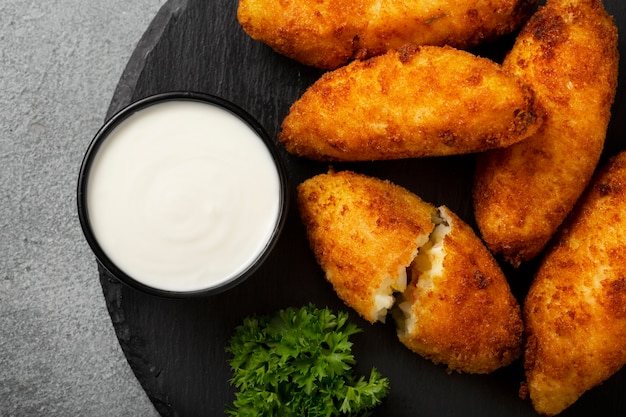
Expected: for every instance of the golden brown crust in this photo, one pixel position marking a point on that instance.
(568, 54)
(364, 232)
(327, 34)
(426, 101)
(467, 317)
(315, 33)
(575, 310)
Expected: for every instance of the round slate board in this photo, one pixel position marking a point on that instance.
(176, 347)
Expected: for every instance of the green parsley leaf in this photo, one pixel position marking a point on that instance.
(298, 363)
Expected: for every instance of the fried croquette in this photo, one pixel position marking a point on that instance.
(426, 101)
(364, 233)
(575, 311)
(458, 308)
(327, 34)
(568, 54)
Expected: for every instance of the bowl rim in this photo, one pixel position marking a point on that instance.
(122, 115)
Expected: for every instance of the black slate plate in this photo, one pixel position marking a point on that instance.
(176, 347)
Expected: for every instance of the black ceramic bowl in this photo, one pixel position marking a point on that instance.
(121, 119)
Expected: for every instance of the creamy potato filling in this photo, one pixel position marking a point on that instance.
(425, 269)
(384, 298)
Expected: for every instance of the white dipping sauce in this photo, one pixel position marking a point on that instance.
(183, 196)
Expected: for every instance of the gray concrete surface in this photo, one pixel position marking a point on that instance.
(60, 61)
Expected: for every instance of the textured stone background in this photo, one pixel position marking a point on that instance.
(60, 61)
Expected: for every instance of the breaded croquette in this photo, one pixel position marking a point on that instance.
(364, 233)
(426, 101)
(458, 308)
(328, 33)
(575, 311)
(568, 54)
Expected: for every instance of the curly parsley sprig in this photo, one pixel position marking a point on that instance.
(298, 363)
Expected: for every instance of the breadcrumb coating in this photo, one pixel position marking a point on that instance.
(568, 54)
(364, 233)
(328, 33)
(417, 102)
(458, 308)
(575, 311)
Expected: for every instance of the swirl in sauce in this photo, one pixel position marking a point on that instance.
(183, 195)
